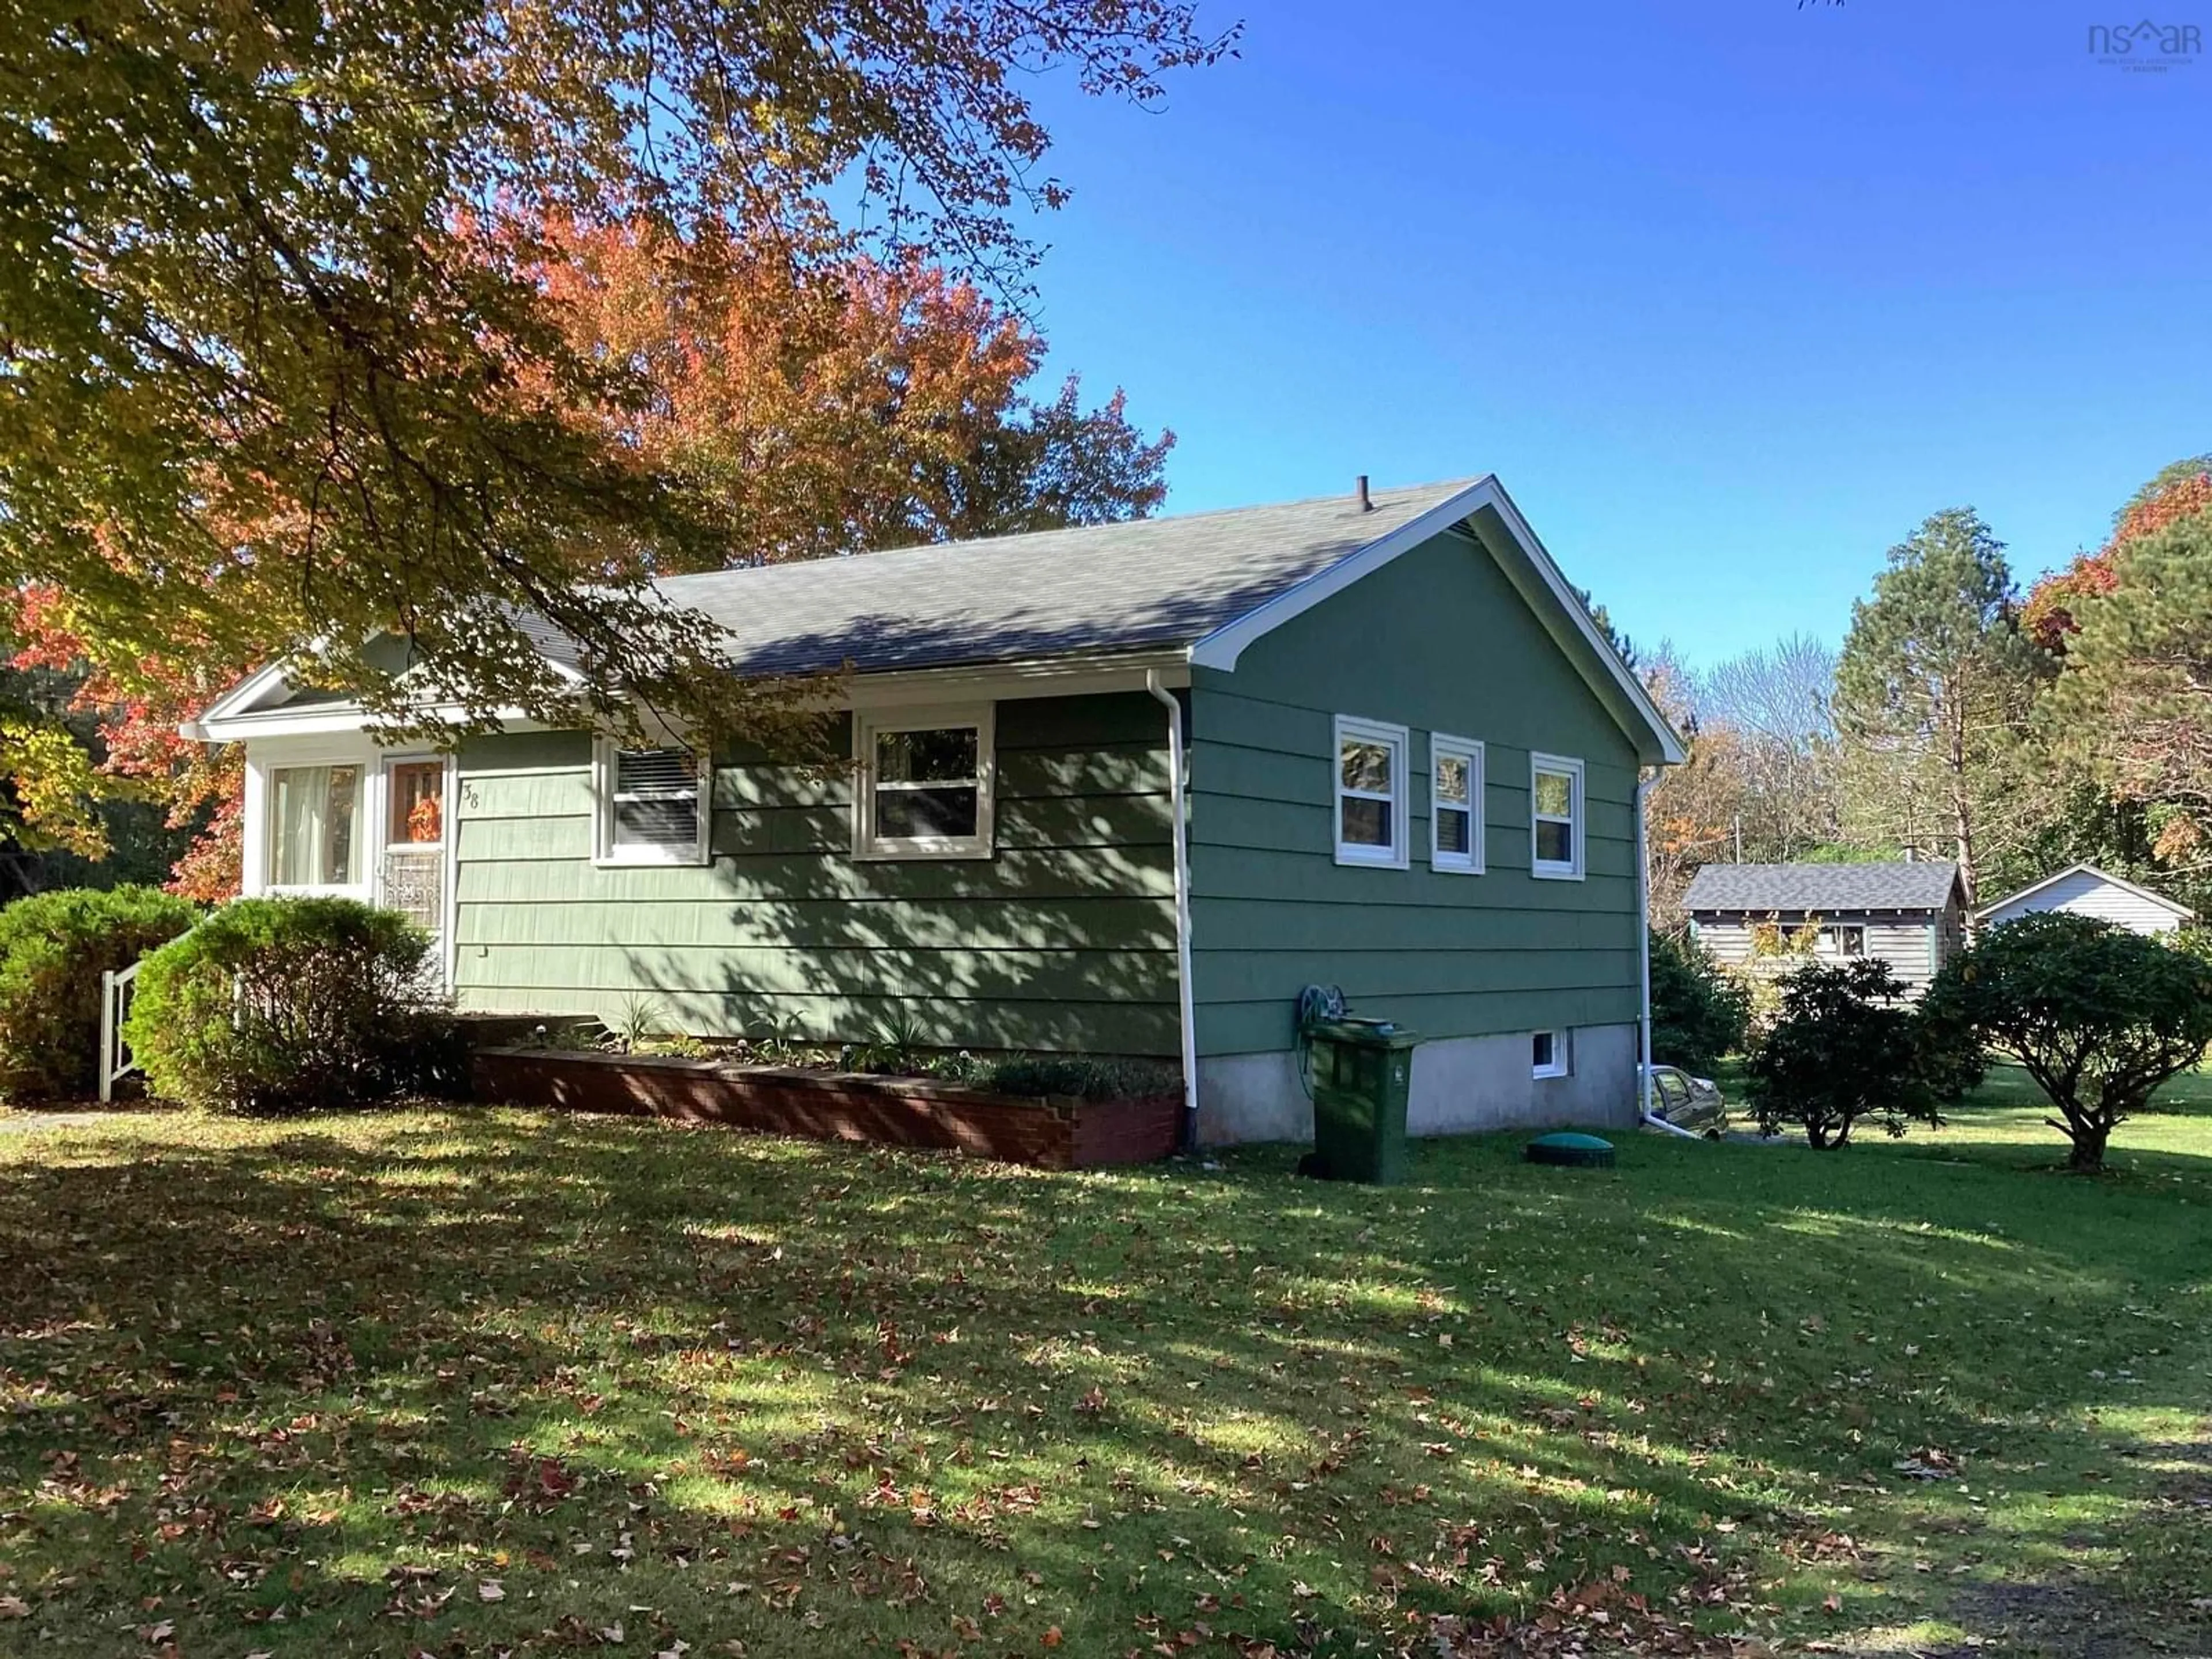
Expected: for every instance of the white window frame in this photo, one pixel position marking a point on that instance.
(1562, 1062)
(1571, 868)
(605, 852)
(260, 809)
(867, 726)
(1832, 935)
(1352, 728)
(1444, 745)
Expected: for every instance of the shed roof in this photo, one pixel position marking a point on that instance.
(1829, 888)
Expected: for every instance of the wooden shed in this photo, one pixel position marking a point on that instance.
(1911, 915)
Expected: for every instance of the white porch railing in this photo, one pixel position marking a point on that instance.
(116, 990)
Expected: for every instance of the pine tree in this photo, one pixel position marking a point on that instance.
(2131, 706)
(1933, 691)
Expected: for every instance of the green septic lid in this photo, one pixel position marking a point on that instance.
(1567, 1147)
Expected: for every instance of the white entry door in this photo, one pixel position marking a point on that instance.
(412, 865)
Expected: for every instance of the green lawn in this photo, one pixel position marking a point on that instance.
(462, 1383)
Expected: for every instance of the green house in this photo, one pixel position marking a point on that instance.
(1410, 771)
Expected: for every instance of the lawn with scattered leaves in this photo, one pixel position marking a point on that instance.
(469, 1382)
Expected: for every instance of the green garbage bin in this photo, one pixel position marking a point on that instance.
(1362, 1074)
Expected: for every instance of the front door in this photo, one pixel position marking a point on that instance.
(411, 872)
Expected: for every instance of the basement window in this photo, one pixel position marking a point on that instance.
(653, 806)
(1550, 1055)
(922, 787)
(1370, 793)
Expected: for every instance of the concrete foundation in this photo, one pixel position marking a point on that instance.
(1461, 1086)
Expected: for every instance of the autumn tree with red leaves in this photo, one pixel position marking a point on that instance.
(2132, 706)
(840, 407)
(278, 374)
(817, 410)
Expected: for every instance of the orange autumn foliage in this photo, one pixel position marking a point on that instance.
(818, 407)
(2049, 616)
(140, 705)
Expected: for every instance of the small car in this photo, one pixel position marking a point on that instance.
(1688, 1103)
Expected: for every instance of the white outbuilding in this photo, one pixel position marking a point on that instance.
(2082, 890)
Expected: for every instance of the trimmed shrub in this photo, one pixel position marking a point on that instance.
(53, 949)
(1844, 1048)
(2100, 1018)
(1699, 1013)
(277, 1006)
(1077, 1075)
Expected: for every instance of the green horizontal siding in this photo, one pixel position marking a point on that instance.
(1115, 1028)
(1063, 940)
(1436, 640)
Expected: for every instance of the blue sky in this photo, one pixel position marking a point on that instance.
(1730, 294)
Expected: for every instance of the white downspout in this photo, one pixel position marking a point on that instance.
(1181, 837)
(1651, 1120)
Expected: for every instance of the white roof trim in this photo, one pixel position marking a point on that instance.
(238, 700)
(1053, 676)
(2029, 891)
(1221, 648)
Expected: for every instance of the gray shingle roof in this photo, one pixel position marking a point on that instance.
(1150, 582)
(1830, 889)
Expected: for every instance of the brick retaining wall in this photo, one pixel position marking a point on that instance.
(1055, 1132)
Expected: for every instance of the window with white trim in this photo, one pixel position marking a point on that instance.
(922, 784)
(1454, 804)
(314, 839)
(654, 806)
(1555, 817)
(1370, 793)
(1843, 939)
(1550, 1055)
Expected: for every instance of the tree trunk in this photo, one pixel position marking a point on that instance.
(1962, 811)
(2087, 1157)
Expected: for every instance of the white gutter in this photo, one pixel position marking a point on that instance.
(1181, 838)
(1651, 1120)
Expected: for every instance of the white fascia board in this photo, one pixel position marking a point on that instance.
(1221, 648)
(326, 720)
(239, 699)
(1670, 745)
(985, 683)
(1008, 682)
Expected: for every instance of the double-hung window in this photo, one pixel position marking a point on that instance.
(1555, 817)
(1454, 804)
(314, 839)
(1370, 793)
(653, 805)
(922, 786)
